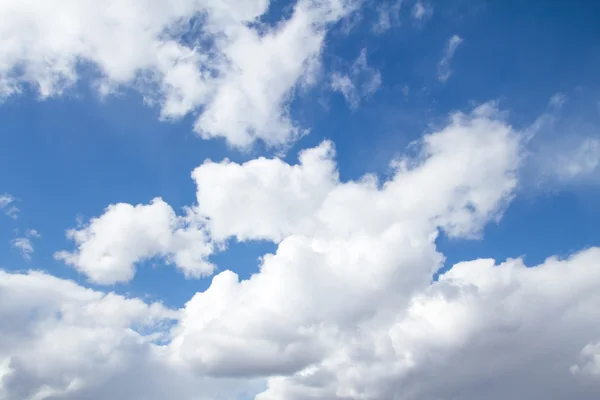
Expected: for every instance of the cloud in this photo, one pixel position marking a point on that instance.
(589, 361)
(584, 159)
(368, 79)
(109, 246)
(32, 233)
(266, 199)
(444, 71)
(345, 308)
(7, 205)
(557, 100)
(338, 241)
(24, 244)
(62, 341)
(212, 57)
(422, 11)
(569, 160)
(59, 340)
(491, 320)
(388, 13)
(563, 150)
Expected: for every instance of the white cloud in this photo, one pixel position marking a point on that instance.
(589, 360)
(59, 340)
(24, 246)
(444, 71)
(581, 160)
(492, 321)
(338, 241)
(267, 199)
(109, 247)
(345, 307)
(237, 72)
(562, 149)
(367, 78)
(7, 205)
(388, 13)
(422, 11)
(32, 233)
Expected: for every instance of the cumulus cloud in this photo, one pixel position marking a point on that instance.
(7, 205)
(345, 308)
(59, 340)
(444, 71)
(367, 78)
(267, 199)
(514, 330)
(216, 57)
(338, 241)
(482, 331)
(109, 246)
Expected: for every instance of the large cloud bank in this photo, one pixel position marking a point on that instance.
(345, 308)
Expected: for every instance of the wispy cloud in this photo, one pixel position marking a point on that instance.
(25, 246)
(24, 243)
(362, 81)
(7, 205)
(562, 149)
(388, 13)
(422, 11)
(444, 71)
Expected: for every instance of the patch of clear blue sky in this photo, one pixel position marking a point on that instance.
(75, 155)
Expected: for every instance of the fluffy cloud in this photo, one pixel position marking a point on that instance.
(453, 182)
(348, 251)
(213, 56)
(367, 78)
(345, 308)
(444, 71)
(498, 332)
(513, 331)
(108, 247)
(59, 340)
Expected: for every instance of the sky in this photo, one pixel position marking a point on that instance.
(304, 199)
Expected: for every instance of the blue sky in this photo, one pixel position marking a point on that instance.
(68, 155)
